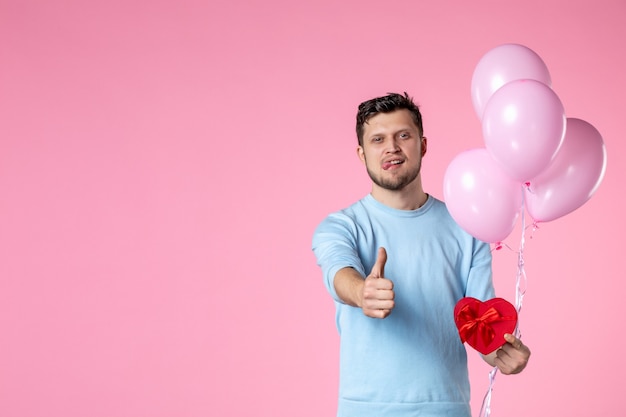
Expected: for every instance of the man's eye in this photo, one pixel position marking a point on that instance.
(404, 135)
(377, 139)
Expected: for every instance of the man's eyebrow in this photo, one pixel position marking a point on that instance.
(395, 131)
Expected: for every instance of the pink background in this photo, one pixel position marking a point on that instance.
(163, 165)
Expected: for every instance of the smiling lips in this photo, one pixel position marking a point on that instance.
(392, 163)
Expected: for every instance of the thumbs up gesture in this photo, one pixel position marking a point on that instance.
(378, 292)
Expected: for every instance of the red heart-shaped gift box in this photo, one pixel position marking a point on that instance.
(483, 324)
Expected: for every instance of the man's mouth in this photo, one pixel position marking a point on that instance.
(392, 164)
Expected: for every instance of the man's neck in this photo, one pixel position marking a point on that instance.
(410, 197)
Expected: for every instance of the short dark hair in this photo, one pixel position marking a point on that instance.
(386, 104)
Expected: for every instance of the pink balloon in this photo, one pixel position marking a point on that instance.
(500, 66)
(572, 178)
(523, 127)
(480, 197)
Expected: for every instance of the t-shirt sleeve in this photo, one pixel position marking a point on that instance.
(334, 246)
(480, 279)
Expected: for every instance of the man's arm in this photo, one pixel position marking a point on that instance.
(511, 358)
(374, 294)
(349, 286)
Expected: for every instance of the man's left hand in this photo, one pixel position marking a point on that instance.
(512, 357)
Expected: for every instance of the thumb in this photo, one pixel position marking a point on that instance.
(378, 270)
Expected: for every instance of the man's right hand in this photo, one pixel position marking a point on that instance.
(378, 295)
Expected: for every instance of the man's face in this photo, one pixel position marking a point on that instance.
(392, 149)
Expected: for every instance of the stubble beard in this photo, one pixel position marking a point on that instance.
(395, 183)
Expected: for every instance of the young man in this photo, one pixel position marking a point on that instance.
(396, 264)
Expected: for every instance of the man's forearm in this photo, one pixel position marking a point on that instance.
(349, 286)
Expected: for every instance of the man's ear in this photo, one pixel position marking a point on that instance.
(424, 145)
(360, 154)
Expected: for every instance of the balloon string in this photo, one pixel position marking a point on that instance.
(485, 408)
(521, 281)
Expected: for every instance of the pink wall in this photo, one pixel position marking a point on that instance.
(163, 165)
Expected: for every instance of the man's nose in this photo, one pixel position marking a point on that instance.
(392, 146)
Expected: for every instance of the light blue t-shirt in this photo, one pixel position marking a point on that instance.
(411, 363)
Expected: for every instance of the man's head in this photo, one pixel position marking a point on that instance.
(391, 143)
(386, 104)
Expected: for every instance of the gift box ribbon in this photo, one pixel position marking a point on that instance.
(479, 326)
